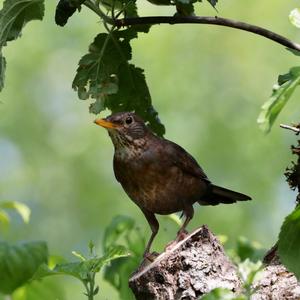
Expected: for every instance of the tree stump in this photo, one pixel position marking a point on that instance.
(191, 268)
(276, 282)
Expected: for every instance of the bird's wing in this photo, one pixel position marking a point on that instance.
(119, 169)
(183, 160)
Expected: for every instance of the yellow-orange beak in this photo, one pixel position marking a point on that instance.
(105, 124)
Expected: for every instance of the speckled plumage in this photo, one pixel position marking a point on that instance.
(157, 174)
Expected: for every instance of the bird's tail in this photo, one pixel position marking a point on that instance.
(221, 195)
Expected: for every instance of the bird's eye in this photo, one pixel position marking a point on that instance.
(128, 120)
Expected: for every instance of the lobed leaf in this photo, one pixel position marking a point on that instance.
(213, 3)
(287, 84)
(13, 17)
(133, 95)
(104, 74)
(81, 270)
(18, 263)
(65, 9)
(289, 242)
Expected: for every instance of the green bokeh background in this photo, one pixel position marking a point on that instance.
(208, 84)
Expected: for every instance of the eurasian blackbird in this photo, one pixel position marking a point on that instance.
(159, 175)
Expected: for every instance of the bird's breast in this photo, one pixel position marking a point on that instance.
(153, 184)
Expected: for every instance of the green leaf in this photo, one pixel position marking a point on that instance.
(249, 271)
(219, 294)
(289, 242)
(48, 289)
(133, 95)
(65, 9)
(118, 226)
(104, 74)
(213, 3)
(18, 263)
(295, 52)
(4, 218)
(82, 269)
(2, 71)
(13, 17)
(295, 17)
(185, 7)
(98, 69)
(22, 209)
(122, 230)
(79, 255)
(112, 253)
(281, 94)
(248, 249)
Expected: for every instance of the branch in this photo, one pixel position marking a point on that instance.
(293, 128)
(211, 21)
(276, 282)
(190, 269)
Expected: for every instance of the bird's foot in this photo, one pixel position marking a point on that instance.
(180, 236)
(150, 257)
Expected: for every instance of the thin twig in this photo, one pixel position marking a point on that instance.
(99, 12)
(293, 128)
(208, 20)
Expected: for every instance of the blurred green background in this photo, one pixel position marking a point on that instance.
(207, 83)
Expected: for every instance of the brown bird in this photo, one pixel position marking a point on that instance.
(157, 174)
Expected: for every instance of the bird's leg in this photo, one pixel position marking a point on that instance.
(189, 213)
(182, 233)
(154, 225)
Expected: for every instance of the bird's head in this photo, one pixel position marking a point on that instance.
(124, 128)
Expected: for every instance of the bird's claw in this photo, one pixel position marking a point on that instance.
(180, 236)
(150, 256)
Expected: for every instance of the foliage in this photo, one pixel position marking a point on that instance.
(18, 263)
(65, 9)
(13, 17)
(289, 242)
(47, 289)
(122, 230)
(107, 76)
(246, 249)
(295, 17)
(222, 294)
(282, 91)
(249, 272)
(22, 209)
(86, 269)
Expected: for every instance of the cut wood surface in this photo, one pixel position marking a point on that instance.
(191, 268)
(198, 264)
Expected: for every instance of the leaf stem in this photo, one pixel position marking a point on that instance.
(89, 286)
(152, 20)
(99, 12)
